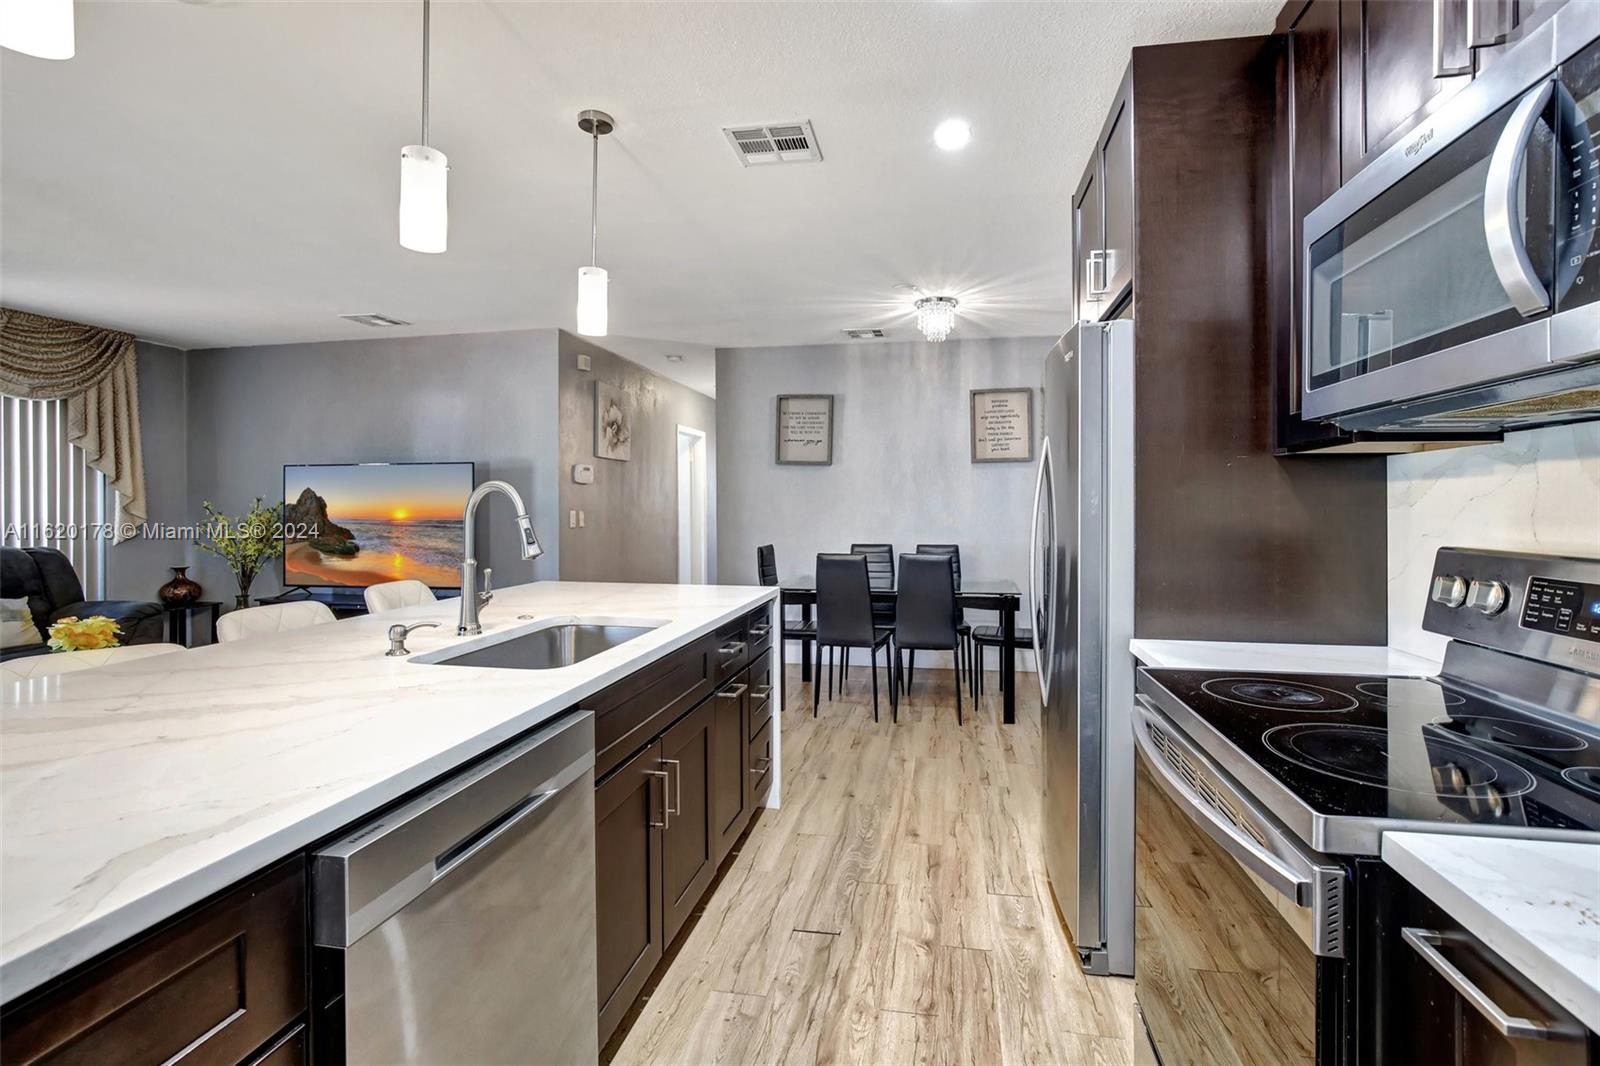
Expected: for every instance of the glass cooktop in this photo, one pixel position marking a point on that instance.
(1402, 748)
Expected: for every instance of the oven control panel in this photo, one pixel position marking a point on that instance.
(1565, 607)
(1544, 607)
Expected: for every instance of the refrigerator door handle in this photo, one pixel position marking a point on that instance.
(1041, 663)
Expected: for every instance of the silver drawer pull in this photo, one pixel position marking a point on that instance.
(762, 769)
(758, 631)
(761, 693)
(733, 692)
(1425, 943)
(676, 807)
(666, 808)
(733, 647)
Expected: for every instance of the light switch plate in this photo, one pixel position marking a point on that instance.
(583, 473)
(572, 519)
(582, 520)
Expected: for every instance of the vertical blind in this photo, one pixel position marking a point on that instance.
(51, 497)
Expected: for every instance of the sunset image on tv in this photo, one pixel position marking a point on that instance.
(371, 524)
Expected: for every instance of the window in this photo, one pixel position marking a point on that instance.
(49, 496)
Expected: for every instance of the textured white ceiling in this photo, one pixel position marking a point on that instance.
(226, 173)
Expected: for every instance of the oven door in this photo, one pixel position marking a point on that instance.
(1239, 933)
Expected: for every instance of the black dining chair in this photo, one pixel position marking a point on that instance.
(994, 637)
(925, 613)
(880, 572)
(793, 628)
(963, 627)
(844, 621)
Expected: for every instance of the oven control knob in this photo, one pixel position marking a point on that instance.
(1449, 590)
(1487, 596)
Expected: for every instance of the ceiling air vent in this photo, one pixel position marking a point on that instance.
(862, 334)
(374, 320)
(782, 142)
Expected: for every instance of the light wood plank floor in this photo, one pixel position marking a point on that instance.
(894, 910)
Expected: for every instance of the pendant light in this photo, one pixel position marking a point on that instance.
(936, 317)
(592, 279)
(424, 177)
(39, 28)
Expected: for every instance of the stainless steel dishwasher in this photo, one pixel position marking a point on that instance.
(460, 926)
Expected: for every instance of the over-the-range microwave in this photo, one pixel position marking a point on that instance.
(1455, 282)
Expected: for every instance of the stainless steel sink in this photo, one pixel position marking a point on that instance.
(548, 645)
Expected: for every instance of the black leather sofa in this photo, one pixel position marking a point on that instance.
(47, 578)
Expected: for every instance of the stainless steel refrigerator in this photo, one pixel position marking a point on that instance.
(1081, 601)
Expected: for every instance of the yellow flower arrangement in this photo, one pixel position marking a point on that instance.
(84, 634)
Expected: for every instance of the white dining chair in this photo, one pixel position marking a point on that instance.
(66, 662)
(272, 618)
(393, 595)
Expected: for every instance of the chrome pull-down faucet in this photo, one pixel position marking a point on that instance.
(471, 598)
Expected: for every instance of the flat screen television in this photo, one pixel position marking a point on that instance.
(350, 525)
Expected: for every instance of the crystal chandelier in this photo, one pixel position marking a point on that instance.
(936, 317)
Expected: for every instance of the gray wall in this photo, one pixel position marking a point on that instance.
(631, 509)
(136, 568)
(902, 469)
(485, 397)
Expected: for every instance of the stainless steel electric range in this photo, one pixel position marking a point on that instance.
(1267, 928)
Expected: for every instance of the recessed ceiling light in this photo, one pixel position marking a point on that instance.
(953, 134)
(674, 357)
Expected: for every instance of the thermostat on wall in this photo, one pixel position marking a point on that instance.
(582, 473)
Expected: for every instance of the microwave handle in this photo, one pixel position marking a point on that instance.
(1501, 222)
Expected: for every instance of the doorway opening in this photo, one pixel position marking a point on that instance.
(694, 520)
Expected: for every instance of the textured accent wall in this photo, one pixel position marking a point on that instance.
(484, 397)
(1539, 491)
(630, 530)
(902, 469)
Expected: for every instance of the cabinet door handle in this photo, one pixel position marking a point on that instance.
(1440, 68)
(733, 647)
(1096, 259)
(733, 692)
(1425, 943)
(676, 807)
(666, 809)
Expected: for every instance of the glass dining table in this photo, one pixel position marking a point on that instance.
(995, 595)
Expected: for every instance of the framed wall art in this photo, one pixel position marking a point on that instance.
(805, 430)
(1002, 425)
(613, 423)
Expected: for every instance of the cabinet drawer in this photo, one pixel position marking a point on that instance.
(732, 651)
(759, 678)
(212, 987)
(634, 711)
(760, 766)
(758, 630)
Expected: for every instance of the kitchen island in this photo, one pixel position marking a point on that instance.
(130, 793)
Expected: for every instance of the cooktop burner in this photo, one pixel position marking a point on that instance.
(1277, 693)
(1407, 748)
(1360, 754)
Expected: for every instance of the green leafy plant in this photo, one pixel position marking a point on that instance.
(244, 543)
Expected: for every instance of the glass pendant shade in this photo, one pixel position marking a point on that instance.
(936, 317)
(40, 28)
(592, 285)
(424, 200)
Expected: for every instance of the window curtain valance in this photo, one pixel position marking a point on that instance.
(97, 372)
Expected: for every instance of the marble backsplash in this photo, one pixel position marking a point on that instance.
(1537, 491)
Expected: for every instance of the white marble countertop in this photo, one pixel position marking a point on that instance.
(1281, 658)
(1535, 903)
(132, 791)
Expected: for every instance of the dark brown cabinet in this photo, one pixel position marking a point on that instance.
(1392, 72)
(668, 814)
(1102, 217)
(630, 814)
(688, 840)
(730, 802)
(218, 985)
